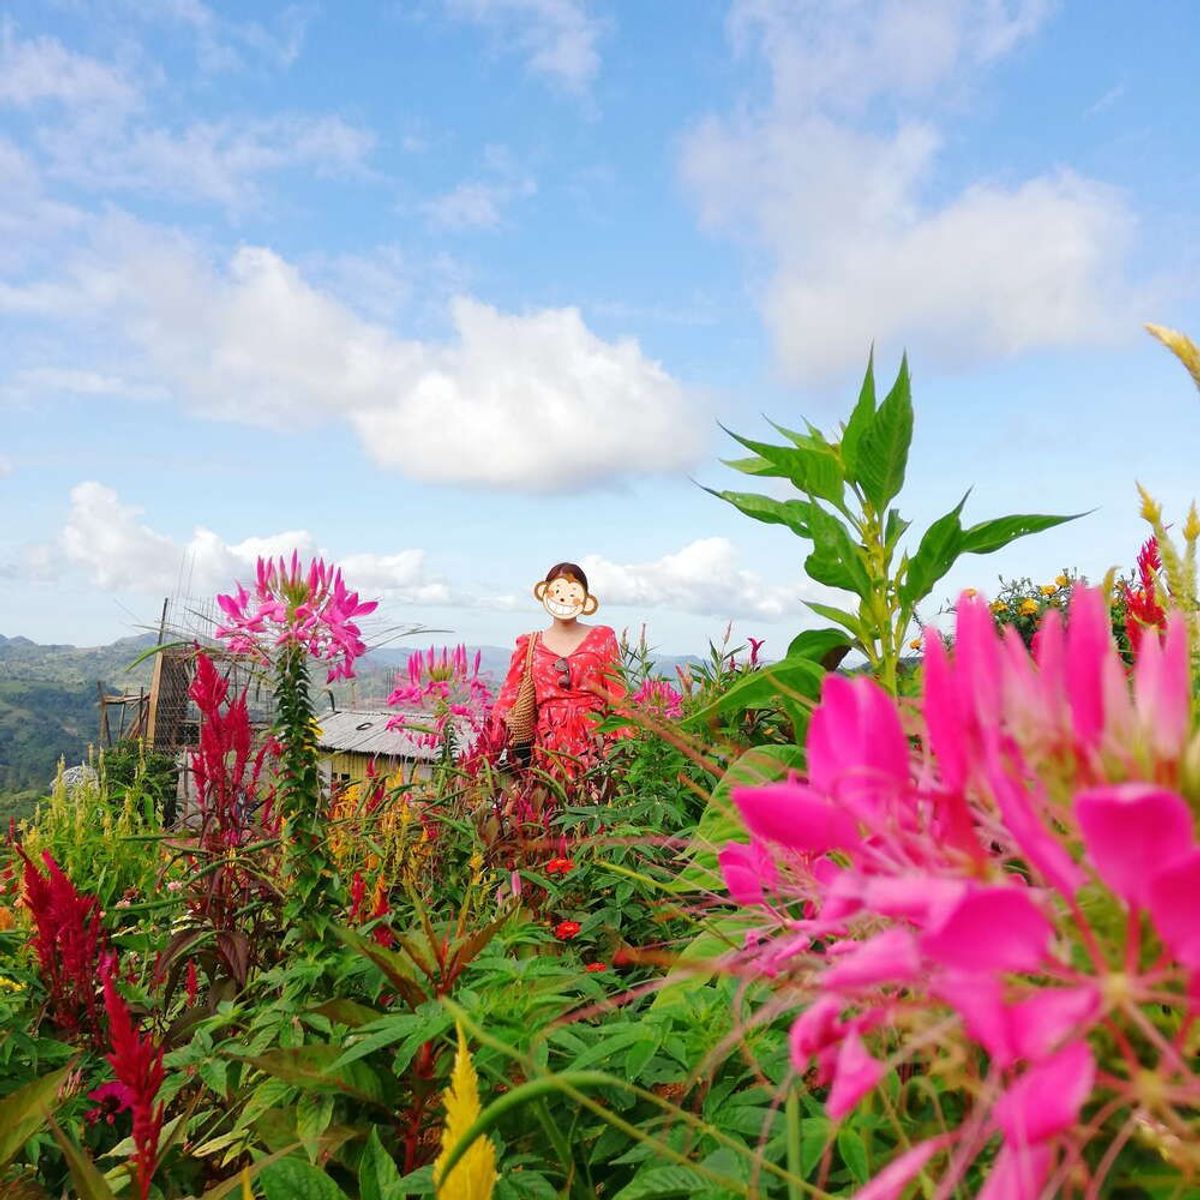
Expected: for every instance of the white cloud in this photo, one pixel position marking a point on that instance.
(532, 401)
(861, 248)
(107, 539)
(480, 203)
(38, 70)
(703, 577)
(558, 38)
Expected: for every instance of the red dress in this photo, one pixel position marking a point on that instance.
(566, 740)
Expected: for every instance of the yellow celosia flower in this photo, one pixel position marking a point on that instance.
(10, 985)
(1028, 608)
(1181, 346)
(474, 1175)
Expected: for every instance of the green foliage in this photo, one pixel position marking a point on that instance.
(848, 483)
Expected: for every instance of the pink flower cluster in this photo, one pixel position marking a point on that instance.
(1010, 883)
(296, 606)
(658, 697)
(443, 689)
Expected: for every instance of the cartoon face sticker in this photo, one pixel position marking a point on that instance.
(565, 598)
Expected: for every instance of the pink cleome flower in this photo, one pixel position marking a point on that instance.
(443, 689)
(296, 606)
(658, 697)
(929, 904)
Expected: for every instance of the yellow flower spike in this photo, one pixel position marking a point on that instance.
(1151, 509)
(474, 1175)
(1181, 346)
(1191, 530)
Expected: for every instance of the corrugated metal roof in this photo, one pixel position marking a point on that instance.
(365, 731)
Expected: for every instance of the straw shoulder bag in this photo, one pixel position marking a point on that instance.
(521, 718)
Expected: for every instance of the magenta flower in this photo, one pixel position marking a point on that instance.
(296, 606)
(659, 698)
(1002, 889)
(444, 691)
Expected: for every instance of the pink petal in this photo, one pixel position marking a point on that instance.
(816, 1028)
(917, 898)
(891, 1181)
(888, 957)
(747, 869)
(946, 725)
(979, 1002)
(1045, 1020)
(977, 661)
(990, 929)
(1162, 688)
(1088, 646)
(856, 1073)
(855, 732)
(1174, 902)
(1131, 831)
(796, 816)
(1047, 1098)
(1019, 1173)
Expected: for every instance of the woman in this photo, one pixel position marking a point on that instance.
(574, 668)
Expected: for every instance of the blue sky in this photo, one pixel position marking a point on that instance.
(453, 289)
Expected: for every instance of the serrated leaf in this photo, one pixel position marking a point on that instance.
(660, 1182)
(793, 514)
(883, 452)
(811, 468)
(314, 1111)
(989, 536)
(24, 1112)
(939, 549)
(378, 1176)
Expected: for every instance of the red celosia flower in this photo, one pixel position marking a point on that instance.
(756, 644)
(1142, 609)
(68, 941)
(559, 866)
(596, 968)
(381, 933)
(137, 1063)
(297, 607)
(358, 893)
(566, 930)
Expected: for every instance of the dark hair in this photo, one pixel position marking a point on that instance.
(567, 570)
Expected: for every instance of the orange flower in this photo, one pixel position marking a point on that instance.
(596, 968)
(566, 930)
(1028, 608)
(999, 606)
(559, 866)
(7, 919)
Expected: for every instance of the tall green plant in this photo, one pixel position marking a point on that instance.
(847, 485)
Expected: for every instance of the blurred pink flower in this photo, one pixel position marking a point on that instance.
(924, 882)
(293, 605)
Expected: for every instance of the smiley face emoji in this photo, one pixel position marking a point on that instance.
(565, 598)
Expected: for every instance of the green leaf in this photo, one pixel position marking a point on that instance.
(794, 514)
(314, 1068)
(854, 1153)
(989, 536)
(836, 560)
(939, 548)
(839, 616)
(894, 528)
(314, 1111)
(294, 1179)
(378, 1177)
(812, 468)
(860, 420)
(659, 1182)
(882, 454)
(760, 689)
(347, 1012)
(24, 1112)
(817, 643)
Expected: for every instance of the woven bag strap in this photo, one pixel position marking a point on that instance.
(533, 641)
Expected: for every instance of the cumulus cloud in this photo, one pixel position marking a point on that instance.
(532, 401)
(864, 240)
(558, 38)
(704, 577)
(108, 540)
